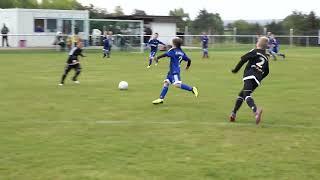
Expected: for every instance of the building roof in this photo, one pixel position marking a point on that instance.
(151, 18)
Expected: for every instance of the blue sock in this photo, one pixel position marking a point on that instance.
(186, 87)
(150, 62)
(164, 92)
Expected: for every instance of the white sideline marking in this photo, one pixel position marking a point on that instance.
(120, 122)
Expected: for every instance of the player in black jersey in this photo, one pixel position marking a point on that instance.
(256, 70)
(73, 63)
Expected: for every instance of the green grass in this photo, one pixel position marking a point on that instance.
(94, 131)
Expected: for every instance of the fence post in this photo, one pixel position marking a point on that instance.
(307, 41)
(291, 37)
(319, 36)
(141, 36)
(235, 35)
(265, 31)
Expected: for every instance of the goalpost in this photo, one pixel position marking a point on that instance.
(127, 34)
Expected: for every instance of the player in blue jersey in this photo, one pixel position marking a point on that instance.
(106, 46)
(274, 47)
(176, 56)
(205, 42)
(154, 43)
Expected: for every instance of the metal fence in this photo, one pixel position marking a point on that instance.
(135, 42)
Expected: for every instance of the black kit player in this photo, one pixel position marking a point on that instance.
(256, 70)
(73, 63)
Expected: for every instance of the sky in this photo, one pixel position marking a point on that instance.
(228, 9)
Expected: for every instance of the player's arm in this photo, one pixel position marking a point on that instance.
(161, 43)
(266, 72)
(243, 60)
(80, 53)
(186, 58)
(161, 56)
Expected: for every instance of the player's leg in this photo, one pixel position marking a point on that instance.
(104, 53)
(178, 84)
(237, 106)
(109, 50)
(272, 53)
(278, 53)
(66, 71)
(206, 53)
(249, 86)
(77, 68)
(151, 57)
(164, 92)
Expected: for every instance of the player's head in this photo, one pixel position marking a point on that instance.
(79, 44)
(155, 35)
(106, 33)
(110, 33)
(262, 43)
(269, 34)
(204, 33)
(177, 42)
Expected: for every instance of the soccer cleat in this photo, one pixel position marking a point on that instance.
(61, 84)
(148, 67)
(76, 82)
(158, 101)
(258, 115)
(232, 117)
(195, 91)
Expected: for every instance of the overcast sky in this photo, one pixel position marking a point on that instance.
(228, 9)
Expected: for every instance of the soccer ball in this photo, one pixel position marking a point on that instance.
(123, 85)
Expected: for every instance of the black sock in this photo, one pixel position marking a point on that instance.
(237, 105)
(76, 76)
(63, 78)
(251, 103)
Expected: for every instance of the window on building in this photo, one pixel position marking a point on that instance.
(67, 27)
(51, 25)
(79, 26)
(39, 25)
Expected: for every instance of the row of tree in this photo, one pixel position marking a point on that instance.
(303, 24)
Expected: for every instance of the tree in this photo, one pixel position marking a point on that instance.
(209, 22)
(26, 3)
(139, 12)
(118, 11)
(7, 4)
(184, 18)
(313, 23)
(60, 4)
(276, 28)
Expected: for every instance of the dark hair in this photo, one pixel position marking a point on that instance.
(156, 33)
(177, 42)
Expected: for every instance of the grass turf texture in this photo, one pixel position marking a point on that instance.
(95, 131)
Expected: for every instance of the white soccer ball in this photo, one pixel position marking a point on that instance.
(123, 85)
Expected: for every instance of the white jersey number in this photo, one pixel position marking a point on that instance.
(261, 63)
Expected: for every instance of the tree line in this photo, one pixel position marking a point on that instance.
(212, 23)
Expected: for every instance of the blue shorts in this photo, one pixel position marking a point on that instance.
(275, 49)
(153, 54)
(173, 79)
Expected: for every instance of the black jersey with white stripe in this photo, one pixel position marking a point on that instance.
(73, 55)
(257, 64)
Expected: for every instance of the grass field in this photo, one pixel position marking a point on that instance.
(94, 131)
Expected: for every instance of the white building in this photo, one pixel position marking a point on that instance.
(38, 27)
(166, 26)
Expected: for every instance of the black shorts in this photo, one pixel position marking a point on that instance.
(250, 85)
(76, 67)
(253, 74)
